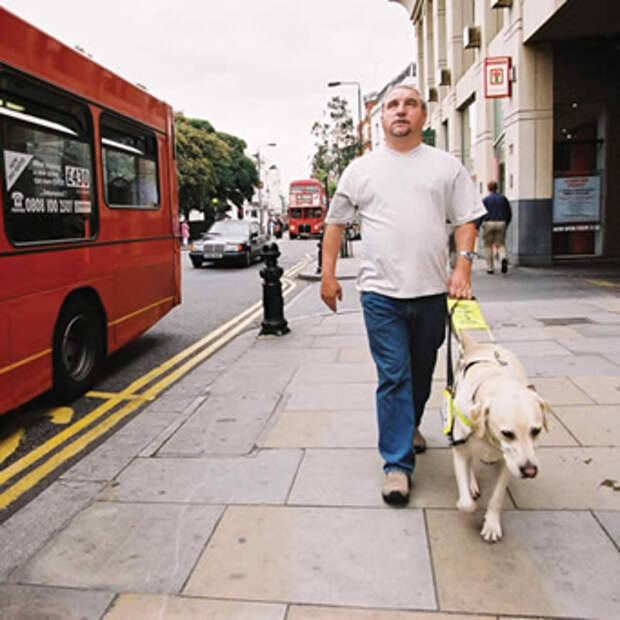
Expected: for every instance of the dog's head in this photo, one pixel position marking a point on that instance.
(513, 416)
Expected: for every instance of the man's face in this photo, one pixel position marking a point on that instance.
(403, 113)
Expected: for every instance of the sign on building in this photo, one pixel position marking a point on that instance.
(576, 199)
(497, 77)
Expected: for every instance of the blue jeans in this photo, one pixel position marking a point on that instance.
(404, 335)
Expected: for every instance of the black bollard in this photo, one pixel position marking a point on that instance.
(349, 234)
(319, 245)
(344, 253)
(273, 304)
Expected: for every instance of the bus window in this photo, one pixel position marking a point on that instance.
(129, 159)
(46, 144)
(304, 189)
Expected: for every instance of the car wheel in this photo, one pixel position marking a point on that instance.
(197, 262)
(246, 260)
(78, 349)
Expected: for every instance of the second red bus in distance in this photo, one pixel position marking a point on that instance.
(307, 208)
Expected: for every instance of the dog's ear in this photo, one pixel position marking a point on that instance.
(478, 415)
(544, 406)
(546, 410)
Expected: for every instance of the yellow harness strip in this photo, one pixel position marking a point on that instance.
(450, 409)
(462, 314)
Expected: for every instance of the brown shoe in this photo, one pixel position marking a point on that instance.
(396, 487)
(419, 443)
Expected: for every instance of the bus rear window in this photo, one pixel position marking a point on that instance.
(129, 157)
(48, 179)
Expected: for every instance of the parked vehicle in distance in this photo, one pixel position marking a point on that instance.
(307, 208)
(237, 241)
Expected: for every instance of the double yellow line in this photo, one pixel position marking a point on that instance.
(197, 353)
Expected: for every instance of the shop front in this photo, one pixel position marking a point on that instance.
(585, 208)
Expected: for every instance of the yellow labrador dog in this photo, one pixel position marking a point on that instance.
(495, 404)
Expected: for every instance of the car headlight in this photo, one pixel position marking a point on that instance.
(198, 246)
(233, 247)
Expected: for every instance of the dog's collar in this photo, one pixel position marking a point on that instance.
(496, 359)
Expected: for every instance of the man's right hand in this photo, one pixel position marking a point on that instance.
(330, 292)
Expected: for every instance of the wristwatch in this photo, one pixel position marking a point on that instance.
(467, 255)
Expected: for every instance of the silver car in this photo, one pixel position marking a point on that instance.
(238, 241)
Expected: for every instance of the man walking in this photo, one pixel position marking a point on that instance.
(405, 193)
(494, 226)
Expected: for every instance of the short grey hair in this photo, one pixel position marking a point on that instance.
(411, 86)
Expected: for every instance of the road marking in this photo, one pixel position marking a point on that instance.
(36, 475)
(9, 444)
(107, 395)
(605, 283)
(60, 415)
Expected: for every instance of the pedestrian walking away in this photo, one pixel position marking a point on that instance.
(406, 192)
(185, 232)
(494, 226)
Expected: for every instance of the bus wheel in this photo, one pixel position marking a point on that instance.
(78, 349)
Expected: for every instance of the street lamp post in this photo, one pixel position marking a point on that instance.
(261, 212)
(359, 103)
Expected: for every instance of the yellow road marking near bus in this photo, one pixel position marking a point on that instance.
(605, 283)
(9, 444)
(40, 472)
(60, 415)
(106, 395)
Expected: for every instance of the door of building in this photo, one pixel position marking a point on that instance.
(579, 166)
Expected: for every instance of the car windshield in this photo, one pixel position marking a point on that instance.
(229, 227)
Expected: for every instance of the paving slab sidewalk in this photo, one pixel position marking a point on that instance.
(259, 498)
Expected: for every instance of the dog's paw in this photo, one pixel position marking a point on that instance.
(466, 504)
(492, 528)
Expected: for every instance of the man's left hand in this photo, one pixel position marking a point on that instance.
(459, 284)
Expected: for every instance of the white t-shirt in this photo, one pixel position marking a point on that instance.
(406, 203)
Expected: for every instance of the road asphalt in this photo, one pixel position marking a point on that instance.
(251, 488)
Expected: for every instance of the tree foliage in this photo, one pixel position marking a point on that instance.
(212, 168)
(336, 143)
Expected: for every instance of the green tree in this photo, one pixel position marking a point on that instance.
(336, 142)
(239, 175)
(212, 168)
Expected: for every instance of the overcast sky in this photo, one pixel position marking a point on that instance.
(256, 69)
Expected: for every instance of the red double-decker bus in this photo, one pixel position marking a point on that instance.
(307, 208)
(89, 243)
